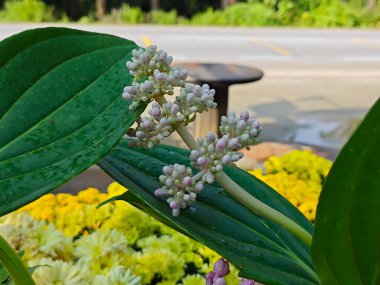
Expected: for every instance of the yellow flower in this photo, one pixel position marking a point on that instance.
(298, 176)
(115, 189)
(88, 196)
(193, 280)
(57, 272)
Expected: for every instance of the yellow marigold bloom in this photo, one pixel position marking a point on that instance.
(70, 228)
(118, 275)
(298, 176)
(57, 272)
(115, 189)
(89, 196)
(193, 280)
(162, 262)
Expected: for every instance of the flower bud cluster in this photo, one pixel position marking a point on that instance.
(161, 79)
(195, 99)
(213, 154)
(179, 187)
(246, 130)
(158, 84)
(145, 61)
(160, 124)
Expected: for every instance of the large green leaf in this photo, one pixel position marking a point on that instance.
(259, 248)
(346, 245)
(61, 108)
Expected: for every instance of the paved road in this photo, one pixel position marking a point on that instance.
(317, 83)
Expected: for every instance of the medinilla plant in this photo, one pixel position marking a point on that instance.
(63, 108)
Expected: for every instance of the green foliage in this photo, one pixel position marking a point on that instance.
(260, 249)
(59, 115)
(240, 14)
(245, 14)
(26, 11)
(318, 13)
(162, 17)
(347, 229)
(209, 17)
(334, 13)
(128, 15)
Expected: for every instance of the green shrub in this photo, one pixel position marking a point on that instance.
(369, 18)
(209, 17)
(249, 14)
(26, 11)
(334, 13)
(240, 14)
(164, 18)
(127, 14)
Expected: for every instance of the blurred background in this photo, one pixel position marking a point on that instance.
(320, 58)
(314, 13)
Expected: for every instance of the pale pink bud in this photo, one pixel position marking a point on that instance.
(175, 212)
(226, 159)
(233, 143)
(156, 112)
(160, 77)
(167, 170)
(244, 116)
(187, 181)
(159, 192)
(130, 90)
(140, 134)
(169, 182)
(241, 125)
(147, 124)
(209, 178)
(174, 204)
(210, 137)
(174, 109)
(169, 60)
(190, 97)
(201, 161)
(198, 187)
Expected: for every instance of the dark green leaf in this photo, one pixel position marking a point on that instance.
(259, 248)
(4, 276)
(5, 279)
(346, 245)
(61, 108)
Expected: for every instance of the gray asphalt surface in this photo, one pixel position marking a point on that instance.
(317, 84)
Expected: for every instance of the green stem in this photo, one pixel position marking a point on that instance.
(248, 200)
(261, 208)
(244, 197)
(13, 264)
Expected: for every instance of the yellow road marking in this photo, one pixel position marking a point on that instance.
(366, 43)
(273, 47)
(279, 49)
(147, 42)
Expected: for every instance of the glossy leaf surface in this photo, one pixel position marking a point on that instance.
(259, 248)
(346, 245)
(61, 108)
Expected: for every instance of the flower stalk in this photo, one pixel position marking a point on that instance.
(13, 264)
(209, 154)
(242, 196)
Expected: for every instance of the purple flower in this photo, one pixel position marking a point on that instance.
(222, 267)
